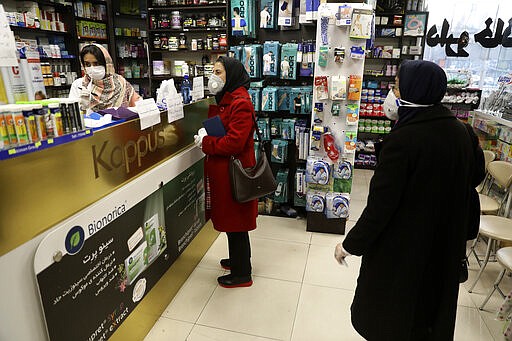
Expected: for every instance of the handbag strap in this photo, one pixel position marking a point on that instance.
(260, 139)
(257, 130)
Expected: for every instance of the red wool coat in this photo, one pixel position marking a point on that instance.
(235, 111)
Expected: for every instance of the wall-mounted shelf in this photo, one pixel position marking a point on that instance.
(187, 8)
(92, 39)
(131, 16)
(189, 51)
(91, 20)
(36, 30)
(189, 29)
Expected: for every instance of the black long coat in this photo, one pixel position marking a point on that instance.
(413, 230)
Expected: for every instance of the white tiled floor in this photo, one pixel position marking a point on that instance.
(299, 293)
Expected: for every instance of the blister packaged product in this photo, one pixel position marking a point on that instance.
(284, 95)
(318, 171)
(255, 98)
(281, 192)
(236, 52)
(323, 56)
(299, 198)
(269, 99)
(243, 18)
(352, 114)
(354, 88)
(343, 170)
(252, 60)
(275, 126)
(350, 141)
(271, 58)
(288, 66)
(321, 87)
(337, 205)
(268, 14)
(264, 128)
(338, 88)
(279, 152)
(315, 201)
(288, 129)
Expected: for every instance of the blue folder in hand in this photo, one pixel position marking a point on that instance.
(214, 126)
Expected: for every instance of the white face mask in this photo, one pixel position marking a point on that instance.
(215, 84)
(391, 104)
(96, 72)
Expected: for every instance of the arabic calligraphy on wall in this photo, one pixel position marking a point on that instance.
(485, 37)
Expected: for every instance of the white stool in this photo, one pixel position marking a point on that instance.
(504, 257)
(495, 229)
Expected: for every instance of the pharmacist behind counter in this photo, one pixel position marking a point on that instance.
(101, 87)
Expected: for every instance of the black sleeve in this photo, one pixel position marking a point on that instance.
(386, 190)
(478, 177)
(479, 171)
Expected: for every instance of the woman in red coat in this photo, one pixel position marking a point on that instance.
(229, 83)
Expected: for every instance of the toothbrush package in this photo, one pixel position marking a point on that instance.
(317, 171)
(315, 201)
(336, 205)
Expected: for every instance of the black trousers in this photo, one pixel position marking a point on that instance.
(239, 253)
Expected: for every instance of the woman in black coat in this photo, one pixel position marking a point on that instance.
(412, 233)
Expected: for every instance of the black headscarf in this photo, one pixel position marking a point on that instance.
(420, 82)
(236, 76)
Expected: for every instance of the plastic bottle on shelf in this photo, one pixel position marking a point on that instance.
(185, 90)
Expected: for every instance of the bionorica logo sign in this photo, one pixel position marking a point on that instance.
(75, 240)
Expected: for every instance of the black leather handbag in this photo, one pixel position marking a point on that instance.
(251, 183)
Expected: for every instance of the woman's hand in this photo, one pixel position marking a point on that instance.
(340, 254)
(198, 139)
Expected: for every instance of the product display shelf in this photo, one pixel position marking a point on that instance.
(189, 29)
(90, 20)
(67, 38)
(70, 57)
(93, 39)
(131, 16)
(40, 145)
(188, 8)
(304, 33)
(491, 117)
(52, 4)
(129, 43)
(58, 87)
(137, 39)
(176, 16)
(206, 52)
(16, 29)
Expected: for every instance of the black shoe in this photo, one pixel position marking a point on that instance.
(225, 263)
(230, 281)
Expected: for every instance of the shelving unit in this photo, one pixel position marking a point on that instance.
(380, 72)
(179, 23)
(268, 204)
(62, 34)
(130, 43)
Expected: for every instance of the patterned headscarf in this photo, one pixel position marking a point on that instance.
(111, 91)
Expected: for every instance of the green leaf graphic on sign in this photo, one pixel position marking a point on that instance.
(75, 239)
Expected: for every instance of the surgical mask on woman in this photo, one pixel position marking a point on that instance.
(96, 72)
(391, 104)
(215, 84)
